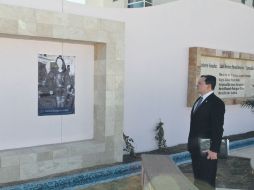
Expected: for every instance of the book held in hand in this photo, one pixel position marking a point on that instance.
(205, 144)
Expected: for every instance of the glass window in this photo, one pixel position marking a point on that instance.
(139, 3)
(78, 1)
(148, 4)
(136, 5)
(133, 1)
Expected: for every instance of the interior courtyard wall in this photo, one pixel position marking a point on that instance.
(19, 77)
(157, 41)
(93, 135)
(156, 62)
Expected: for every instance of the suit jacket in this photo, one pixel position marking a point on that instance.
(207, 122)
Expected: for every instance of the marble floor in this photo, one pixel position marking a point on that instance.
(245, 153)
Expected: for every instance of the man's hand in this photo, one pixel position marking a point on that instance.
(212, 155)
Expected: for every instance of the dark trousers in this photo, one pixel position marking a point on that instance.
(204, 171)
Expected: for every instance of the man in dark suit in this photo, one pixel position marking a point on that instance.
(207, 119)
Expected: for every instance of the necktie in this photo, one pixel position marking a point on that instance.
(198, 103)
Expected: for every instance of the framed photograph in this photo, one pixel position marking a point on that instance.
(56, 84)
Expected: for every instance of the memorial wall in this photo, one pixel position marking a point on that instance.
(234, 72)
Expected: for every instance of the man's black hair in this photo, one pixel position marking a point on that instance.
(210, 79)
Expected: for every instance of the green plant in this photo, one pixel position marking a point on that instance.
(248, 104)
(159, 137)
(128, 145)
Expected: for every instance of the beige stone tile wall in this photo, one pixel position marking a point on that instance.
(108, 40)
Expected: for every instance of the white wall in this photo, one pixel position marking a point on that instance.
(20, 124)
(156, 70)
(156, 67)
(115, 4)
(55, 5)
(158, 2)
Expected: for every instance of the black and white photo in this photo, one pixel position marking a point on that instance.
(56, 85)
